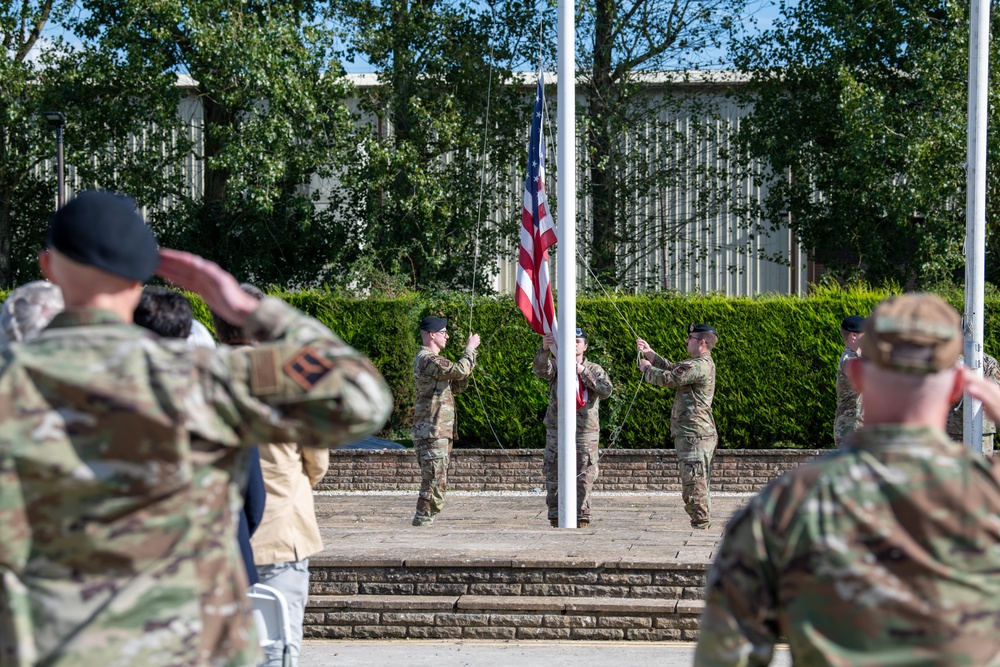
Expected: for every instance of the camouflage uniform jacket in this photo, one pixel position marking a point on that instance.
(956, 416)
(695, 382)
(849, 416)
(436, 380)
(594, 378)
(885, 552)
(118, 452)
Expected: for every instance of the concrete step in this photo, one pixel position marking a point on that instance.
(500, 617)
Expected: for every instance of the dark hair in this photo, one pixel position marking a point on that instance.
(229, 334)
(164, 312)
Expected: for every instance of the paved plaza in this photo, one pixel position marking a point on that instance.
(420, 653)
(634, 528)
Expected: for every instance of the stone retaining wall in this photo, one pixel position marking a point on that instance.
(621, 580)
(493, 617)
(735, 470)
(611, 601)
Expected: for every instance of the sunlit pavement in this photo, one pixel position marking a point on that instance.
(423, 653)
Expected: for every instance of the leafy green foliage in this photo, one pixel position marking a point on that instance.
(636, 153)
(776, 362)
(274, 118)
(443, 117)
(113, 140)
(859, 120)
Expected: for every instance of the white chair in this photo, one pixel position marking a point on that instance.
(270, 615)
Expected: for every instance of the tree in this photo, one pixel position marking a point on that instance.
(272, 103)
(633, 155)
(425, 141)
(859, 132)
(101, 96)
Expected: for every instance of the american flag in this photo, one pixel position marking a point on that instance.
(533, 294)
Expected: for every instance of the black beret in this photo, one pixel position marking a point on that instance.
(104, 230)
(580, 333)
(701, 328)
(433, 324)
(853, 323)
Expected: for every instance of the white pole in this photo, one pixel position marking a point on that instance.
(566, 255)
(975, 213)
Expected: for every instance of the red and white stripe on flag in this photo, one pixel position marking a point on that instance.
(533, 293)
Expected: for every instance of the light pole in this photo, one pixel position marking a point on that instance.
(57, 120)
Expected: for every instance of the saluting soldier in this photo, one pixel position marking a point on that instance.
(596, 385)
(436, 379)
(849, 417)
(119, 450)
(692, 424)
(885, 551)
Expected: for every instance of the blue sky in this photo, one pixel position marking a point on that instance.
(764, 11)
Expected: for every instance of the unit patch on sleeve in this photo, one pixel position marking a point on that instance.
(307, 367)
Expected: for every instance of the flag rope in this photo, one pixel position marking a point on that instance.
(479, 226)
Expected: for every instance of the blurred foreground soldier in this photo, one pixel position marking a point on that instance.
(436, 380)
(596, 385)
(117, 534)
(288, 533)
(956, 416)
(691, 422)
(27, 310)
(848, 418)
(886, 551)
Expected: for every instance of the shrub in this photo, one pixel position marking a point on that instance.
(776, 361)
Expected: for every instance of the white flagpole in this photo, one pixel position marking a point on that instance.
(975, 213)
(566, 254)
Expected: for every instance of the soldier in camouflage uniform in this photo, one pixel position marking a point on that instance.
(597, 385)
(849, 416)
(956, 416)
(436, 380)
(692, 425)
(27, 310)
(118, 451)
(886, 551)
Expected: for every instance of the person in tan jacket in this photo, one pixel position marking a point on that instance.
(288, 534)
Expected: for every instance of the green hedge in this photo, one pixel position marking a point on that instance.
(776, 361)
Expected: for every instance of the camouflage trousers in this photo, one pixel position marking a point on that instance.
(844, 425)
(586, 473)
(434, 457)
(695, 458)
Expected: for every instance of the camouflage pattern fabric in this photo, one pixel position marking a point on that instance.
(436, 380)
(692, 427)
(694, 456)
(884, 552)
(588, 431)
(586, 473)
(434, 457)
(594, 379)
(956, 416)
(118, 452)
(695, 383)
(849, 416)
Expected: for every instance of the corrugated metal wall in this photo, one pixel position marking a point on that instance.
(681, 245)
